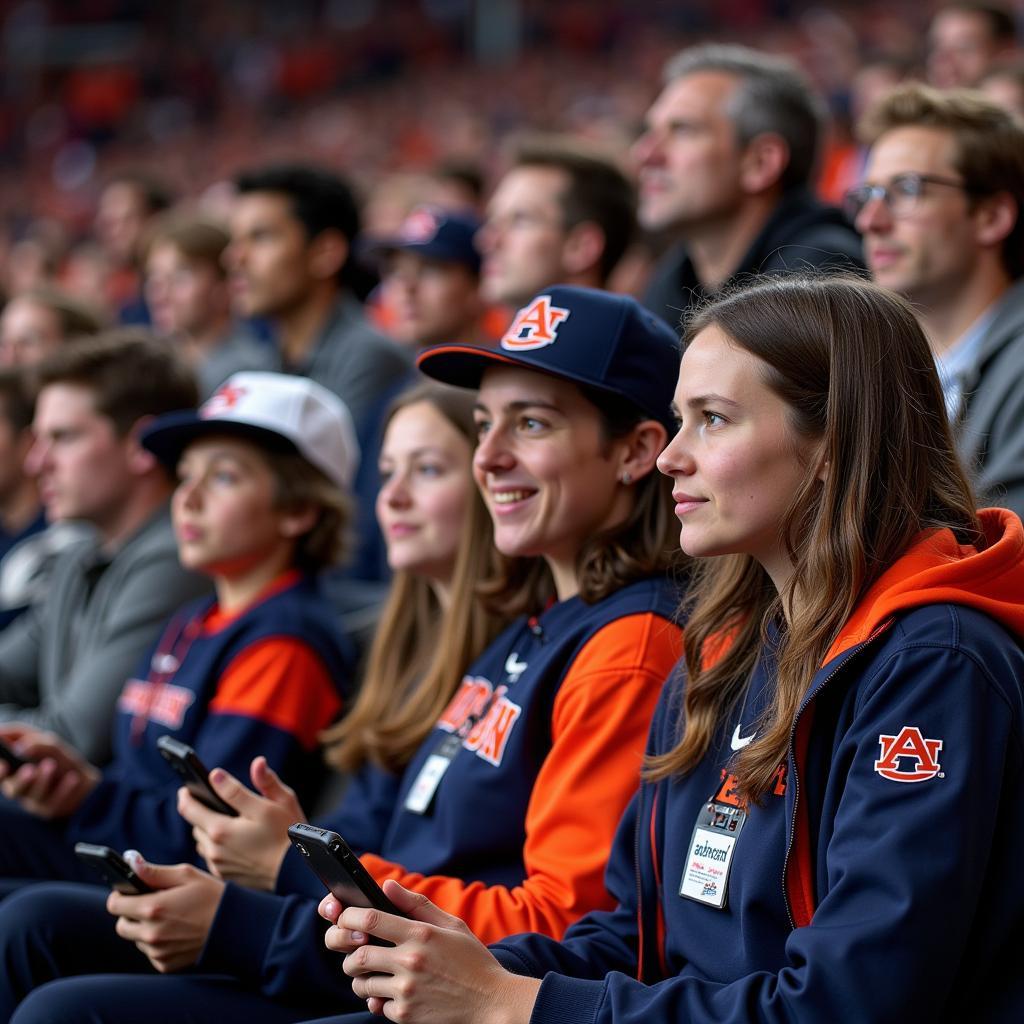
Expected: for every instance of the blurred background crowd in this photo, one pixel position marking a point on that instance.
(386, 91)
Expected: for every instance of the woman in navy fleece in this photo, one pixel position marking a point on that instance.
(830, 826)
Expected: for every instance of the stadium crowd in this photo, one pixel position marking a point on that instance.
(580, 521)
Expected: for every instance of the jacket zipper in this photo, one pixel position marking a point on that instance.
(853, 653)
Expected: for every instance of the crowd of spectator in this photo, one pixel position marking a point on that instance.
(346, 450)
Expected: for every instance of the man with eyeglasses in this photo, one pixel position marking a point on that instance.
(940, 211)
(563, 213)
(725, 166)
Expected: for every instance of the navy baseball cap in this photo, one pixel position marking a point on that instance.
(594, 338)
(437, 234)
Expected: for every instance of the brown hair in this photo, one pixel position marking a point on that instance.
(300, 484)
(598, 189)
(74, 317)
(198, 239)
(419, 651)
(129, 372)
(854, 368)
(644, 545)
(989, 144)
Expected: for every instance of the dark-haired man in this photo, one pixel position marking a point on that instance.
(725, 166)
(293, 230)
(63, 663)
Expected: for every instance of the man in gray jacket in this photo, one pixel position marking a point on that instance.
(62, 664)
(941, 213)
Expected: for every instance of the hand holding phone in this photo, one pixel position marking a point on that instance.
(334, 863)
(10, 758)
(113, 868)
(185, 761)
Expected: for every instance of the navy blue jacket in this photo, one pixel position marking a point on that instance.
(880, 881)
(197, 689)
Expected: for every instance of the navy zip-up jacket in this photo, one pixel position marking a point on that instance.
(882, 883)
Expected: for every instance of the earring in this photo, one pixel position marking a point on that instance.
(626, 479)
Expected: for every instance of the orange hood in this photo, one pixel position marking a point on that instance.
(937, 570)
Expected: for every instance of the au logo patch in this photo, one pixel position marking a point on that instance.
(908, 756)
(535, 326)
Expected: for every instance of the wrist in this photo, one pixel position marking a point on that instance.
(515, 1001)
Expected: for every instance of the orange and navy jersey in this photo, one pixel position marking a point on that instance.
(265, 680)
(880, 878)
(549, 726)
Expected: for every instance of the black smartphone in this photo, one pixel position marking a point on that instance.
(113, 868)
(14, 762)
(185, 761)
(334, 863)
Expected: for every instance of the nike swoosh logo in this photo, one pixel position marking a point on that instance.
(513, 666)
(739, 742)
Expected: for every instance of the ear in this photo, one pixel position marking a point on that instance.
(763, 163)
(294, 522)
(640, 450)
(583, 247)
(141, 461)
(995, 217)
(326, 254)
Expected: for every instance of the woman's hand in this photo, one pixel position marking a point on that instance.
(248, 849)
(438, 971)
(169, 926)
(57, 778)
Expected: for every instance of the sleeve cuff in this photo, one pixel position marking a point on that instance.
(563, 1000)
(241, 933)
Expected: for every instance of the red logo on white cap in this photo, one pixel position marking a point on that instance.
(535, 326)
(226, 397)
(419, 226)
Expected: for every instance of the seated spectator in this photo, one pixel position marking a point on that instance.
(127, 206)
(725, 166)
(187, 293)
(831, 785)
(967, 39)
(36, 323)
(563, 213)
(941, 209)
(430, 279)
(62, 663)
(293, 232)
(541, 741)
(260, 508)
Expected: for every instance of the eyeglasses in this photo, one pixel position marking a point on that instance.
(901, 195)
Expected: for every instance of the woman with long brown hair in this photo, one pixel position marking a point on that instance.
(828, 829)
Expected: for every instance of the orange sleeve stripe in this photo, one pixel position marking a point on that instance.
(601, 718)
(282, 682)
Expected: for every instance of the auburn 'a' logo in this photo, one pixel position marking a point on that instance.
(908, 756)
(535, 326)
(226, 397)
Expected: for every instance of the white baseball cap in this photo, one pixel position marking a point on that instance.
(279, 411)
